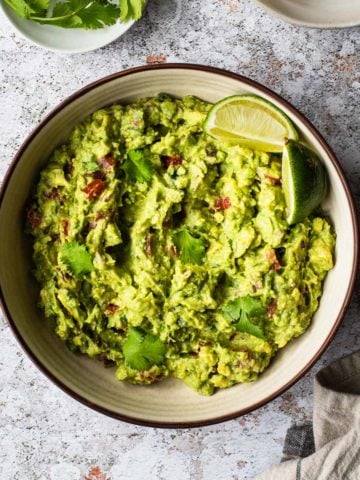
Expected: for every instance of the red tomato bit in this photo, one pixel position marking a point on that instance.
(171, 160)
(53, 194)
(148, 248)
(65, 225)
(94, 188)
(271, 255)
(33, 218)
(222, 203)
(111, 308)
(272, 307)
(273, 180)
(108, 162)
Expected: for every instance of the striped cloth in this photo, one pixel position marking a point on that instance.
(329, 448)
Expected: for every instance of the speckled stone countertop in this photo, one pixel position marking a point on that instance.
(45, 435)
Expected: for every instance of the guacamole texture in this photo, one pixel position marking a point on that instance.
(165, 253)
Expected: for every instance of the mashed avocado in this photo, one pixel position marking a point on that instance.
(166, 253)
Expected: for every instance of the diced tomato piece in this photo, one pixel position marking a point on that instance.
(65, 225)
(273, 180)
(171, 160)
(194, 354)
(148, 247)
(108, 162)
(222, 203)
(271, 255)
(53, 194)
(94, 188)
(102, 215)
(33, 218)
(277, 266)
(272, 307)
(111, 308)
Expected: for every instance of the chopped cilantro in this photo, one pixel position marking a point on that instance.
(192, 249)
(241, 310)
(131, 9)
(87, 14)
(137, 167)
(91, 166)
(25, 8)
(142, 350)
(77, 258)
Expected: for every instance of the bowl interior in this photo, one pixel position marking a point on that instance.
(316, 13)
(70, 40)
(169, 402)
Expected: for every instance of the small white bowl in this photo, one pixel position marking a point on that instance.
(64, 40)
(169, 403)
(316, 13)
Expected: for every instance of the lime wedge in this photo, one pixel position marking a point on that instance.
(250, 121)
(304, 181)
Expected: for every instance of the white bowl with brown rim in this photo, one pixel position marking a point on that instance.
(169, 403)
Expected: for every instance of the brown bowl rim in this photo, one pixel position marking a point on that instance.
(331, 155)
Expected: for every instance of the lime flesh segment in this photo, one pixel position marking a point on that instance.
(250, 121)
(304, 181)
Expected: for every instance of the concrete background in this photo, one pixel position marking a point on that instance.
(44, 434)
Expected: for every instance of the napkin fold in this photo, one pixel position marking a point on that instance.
(329, 448)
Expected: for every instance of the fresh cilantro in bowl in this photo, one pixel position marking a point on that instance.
(86, 14)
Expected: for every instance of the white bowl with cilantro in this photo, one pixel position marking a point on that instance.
(169, 403)
(73, 26)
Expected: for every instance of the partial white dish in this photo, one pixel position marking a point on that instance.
(316, 13)
(61, 40)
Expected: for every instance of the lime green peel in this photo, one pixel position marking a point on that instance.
(304, 181)
(250, 121)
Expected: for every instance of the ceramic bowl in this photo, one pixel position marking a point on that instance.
(316, 13)
(61, 40)
(169, 403)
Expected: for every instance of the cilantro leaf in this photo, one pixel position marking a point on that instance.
(77, 258)
(143, 350)
(91, 166)
(244, 325)
(98, 15)
(21, 7)
(137, 168)
(66, 14)
(242, 309)
(39, 6)
(131, 9)
(192, 249)
(232, 309)
(87, 14)
(25, 8)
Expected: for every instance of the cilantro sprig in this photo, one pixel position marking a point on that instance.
(86, 14)
(191, 249)
(143, 350)
(131, 9)
(77, 258)
(241, 310)
(137, 167)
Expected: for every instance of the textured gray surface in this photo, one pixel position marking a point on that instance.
(44, 434)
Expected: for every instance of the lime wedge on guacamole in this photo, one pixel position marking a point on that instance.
(250, 121)
(304, 181)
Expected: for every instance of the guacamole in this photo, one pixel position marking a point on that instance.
(165, 253)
